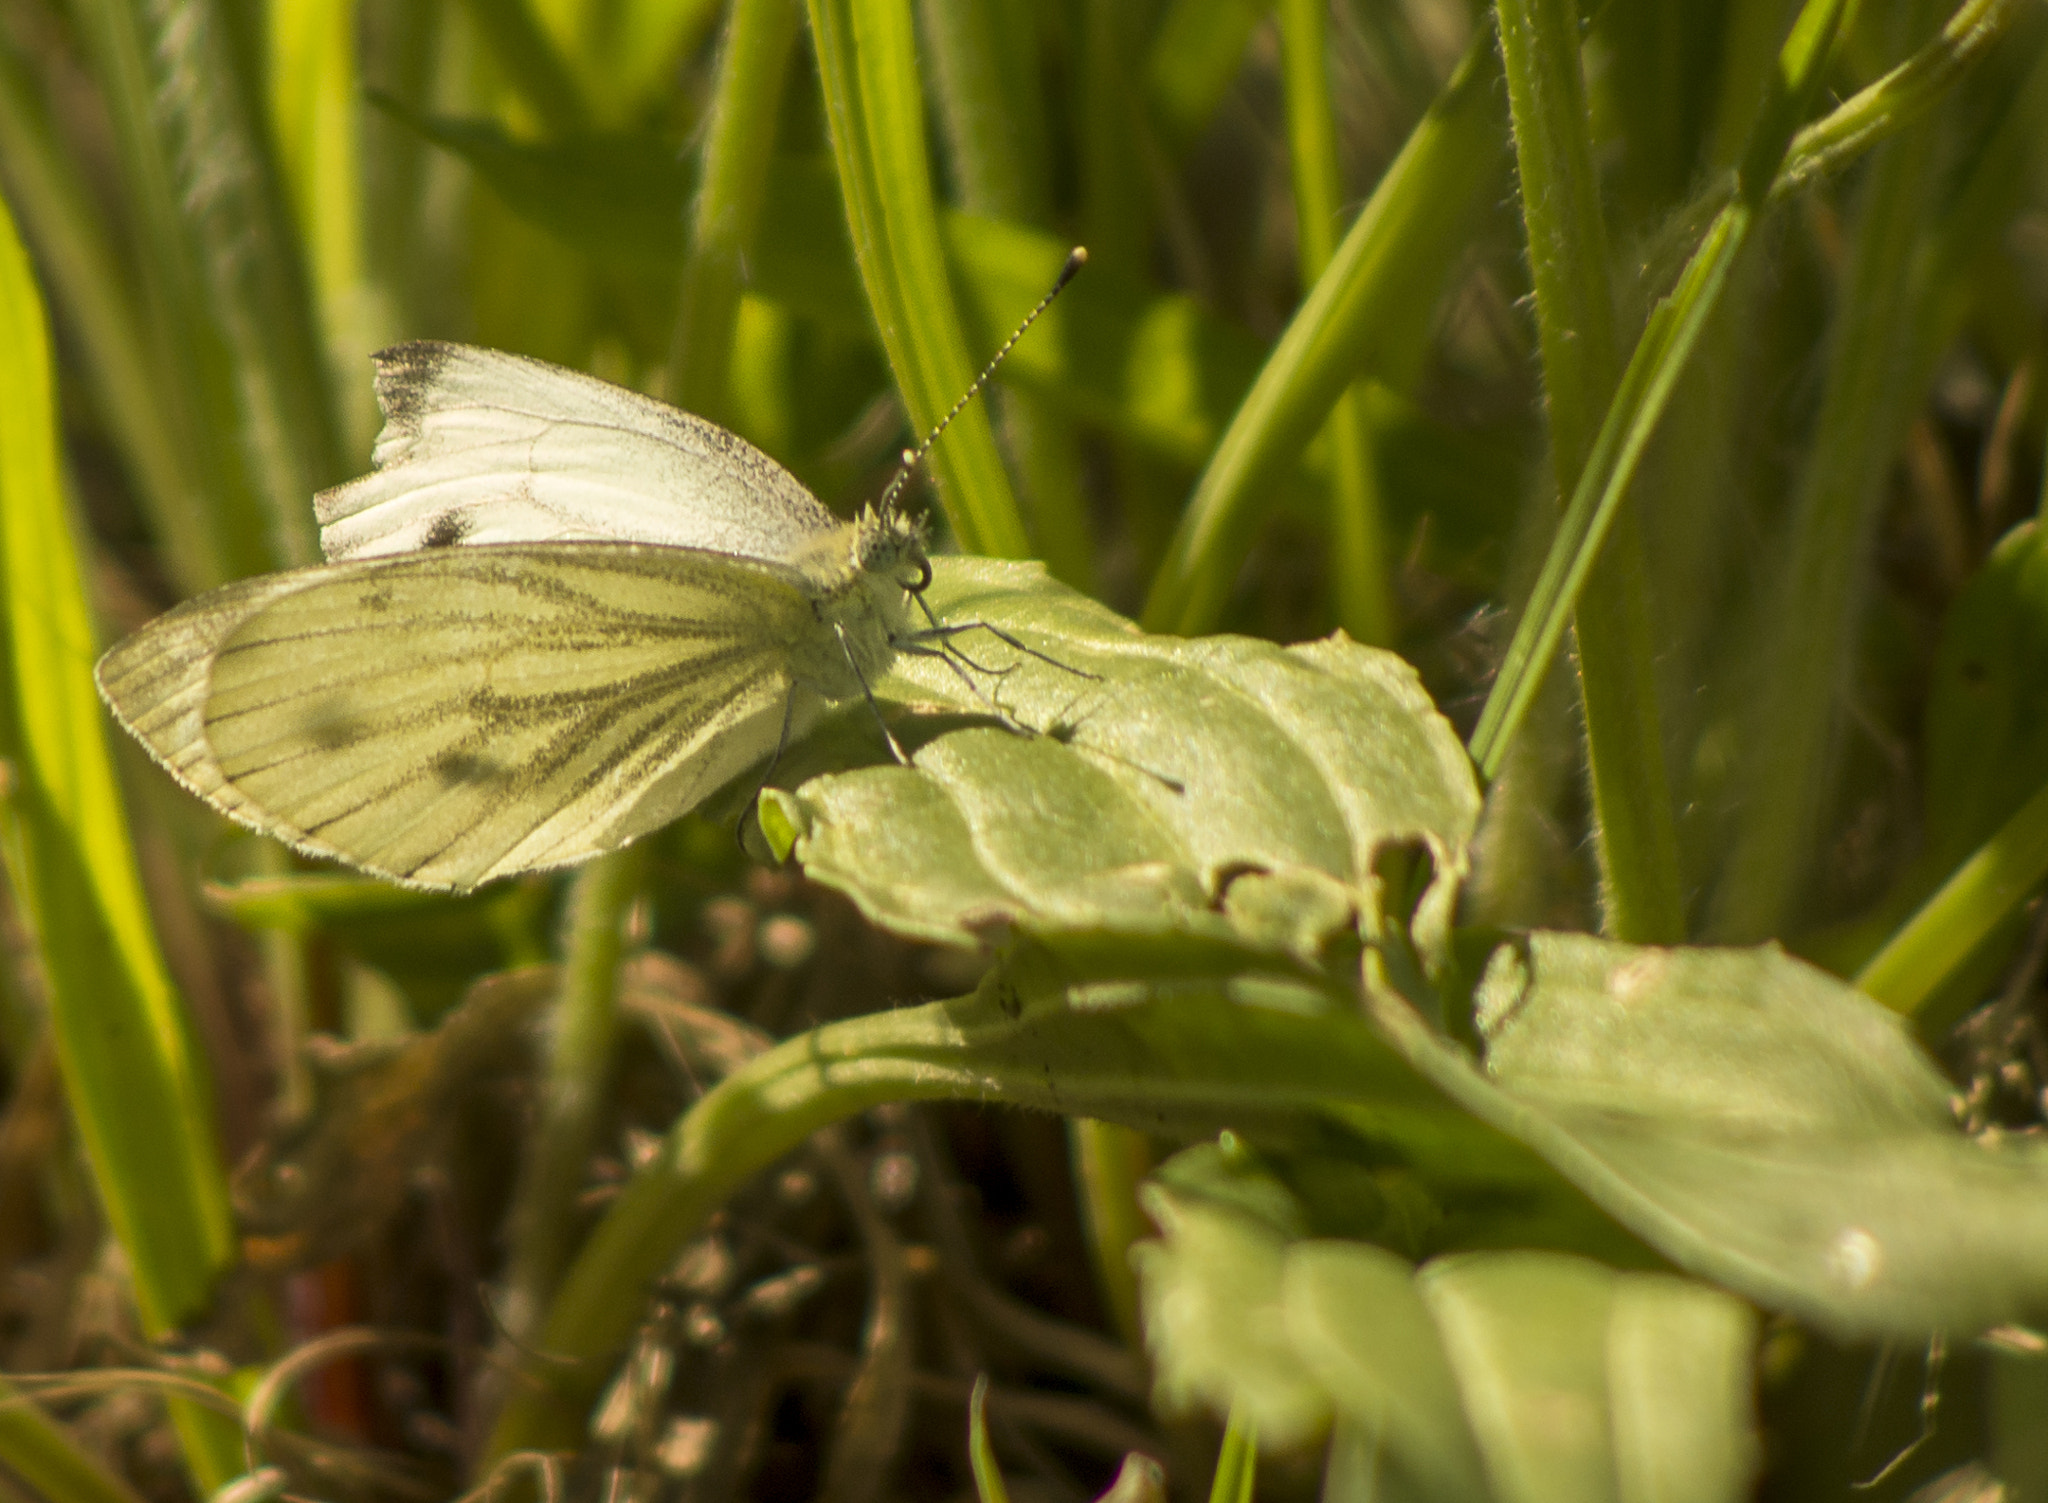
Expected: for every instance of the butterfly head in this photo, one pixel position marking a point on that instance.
(892, 545)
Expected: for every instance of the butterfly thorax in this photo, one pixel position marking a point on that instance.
(860, 577)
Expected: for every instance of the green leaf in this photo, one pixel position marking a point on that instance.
(1523, 1376)
(1585, 1384)
(1354, 1314)
(1216, 1323)
(1760, 1123)
(1225, 790)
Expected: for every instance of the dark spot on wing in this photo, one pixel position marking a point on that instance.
(457, 769)
(447, 530)
(333, 727)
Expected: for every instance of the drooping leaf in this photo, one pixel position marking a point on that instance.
(1759, 1122)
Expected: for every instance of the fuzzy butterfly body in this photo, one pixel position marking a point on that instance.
(557, 616)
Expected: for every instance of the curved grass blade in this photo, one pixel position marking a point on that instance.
(867, 66)
(135, 1083)
(1384, 277)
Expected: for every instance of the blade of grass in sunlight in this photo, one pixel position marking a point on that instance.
(1237, 1464)
(137, 1089)
(1984, 891)
(537, 72)
(992, 115)
(315, 103)
(981, 1455)
(1376, 299)
(739, 142)
(867, 66)
(1568, 256)
(1359, 567)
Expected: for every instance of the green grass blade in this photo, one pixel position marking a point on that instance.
(867, 66)
(1646, 387)
(207, 64)
(1237, 1464)
(1873, 384)
(1983, 892)
(89, 284)
(989, 1486)
(1899, 98)
(537, 72)
(41, 1453)
(1195, 56)
(315, 104)
(1359, 567)
(545, 1217)
(1108, 1163)
(990, 107)
(136, 1086)
(1668, 339)
(1568, 257)
(1377, 297)
(732, 183)
(993, 119)
(194, 388)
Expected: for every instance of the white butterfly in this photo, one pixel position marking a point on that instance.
(556, 617)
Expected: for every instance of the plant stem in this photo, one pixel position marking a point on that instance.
(1568, 260)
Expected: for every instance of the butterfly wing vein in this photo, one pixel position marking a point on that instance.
(444, 718)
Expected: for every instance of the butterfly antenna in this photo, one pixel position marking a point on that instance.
(1076, 259)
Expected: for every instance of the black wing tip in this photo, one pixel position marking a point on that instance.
(406, 374)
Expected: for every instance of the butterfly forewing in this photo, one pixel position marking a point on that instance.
(483, 447)
(456, 715)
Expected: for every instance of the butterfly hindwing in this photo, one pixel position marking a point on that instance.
(483, 447)
(450, 716)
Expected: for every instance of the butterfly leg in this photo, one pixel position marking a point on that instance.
(946, 631)
(895, 747)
